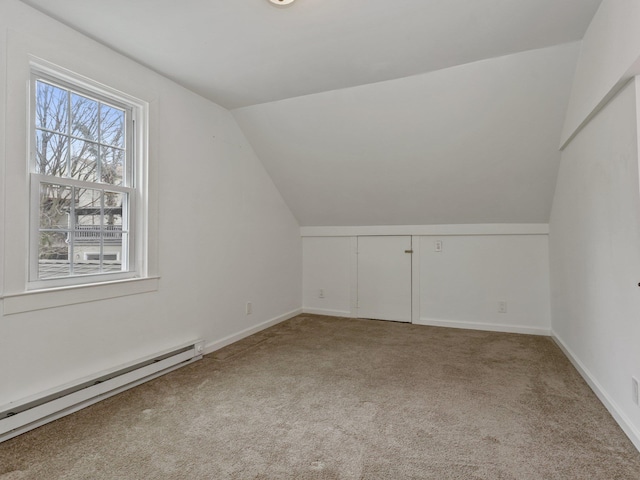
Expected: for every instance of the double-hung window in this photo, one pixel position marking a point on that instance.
(83, 184)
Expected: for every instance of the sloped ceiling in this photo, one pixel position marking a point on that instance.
(477, 143)
(373, 112)
(243, 52)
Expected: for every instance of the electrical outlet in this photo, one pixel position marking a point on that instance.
(321, 293)
(502, 307)
(634, 390)
(438, 246)
(249, 308)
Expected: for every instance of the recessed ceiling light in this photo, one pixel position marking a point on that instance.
(282, 2)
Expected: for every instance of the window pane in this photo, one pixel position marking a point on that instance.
(88, 208)
(113, 209)
(114, 238)
(112, 165)
(52, 107)
(84, 160)
(84, 114)
(55, 203)
(52, 151)
(53, 255)
(115, 243)
(87, 236)
(86, 262)
(112, 126)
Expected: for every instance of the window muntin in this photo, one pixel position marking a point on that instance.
(82, 185)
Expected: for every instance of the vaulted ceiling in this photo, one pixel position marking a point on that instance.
(476, 143)
(370, 112)
(244, 52)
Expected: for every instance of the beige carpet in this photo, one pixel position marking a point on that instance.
(324, 398)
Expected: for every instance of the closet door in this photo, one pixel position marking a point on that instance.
(384, 278)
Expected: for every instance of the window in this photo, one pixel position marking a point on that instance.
(83, 184)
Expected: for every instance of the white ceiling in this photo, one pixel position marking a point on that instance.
(476, 143)
(373, 112)
(246, 52)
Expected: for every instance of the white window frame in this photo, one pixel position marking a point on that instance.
(135, 255)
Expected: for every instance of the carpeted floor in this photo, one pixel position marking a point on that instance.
(323, 398)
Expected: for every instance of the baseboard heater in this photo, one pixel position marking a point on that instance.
(26, 414)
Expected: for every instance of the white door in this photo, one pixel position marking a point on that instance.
(384, 278)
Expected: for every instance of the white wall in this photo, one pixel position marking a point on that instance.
(223, 232)
(595, 255)
(595, 219)
(462, 285)
(458, 287)
(326, 266)
(610, 49)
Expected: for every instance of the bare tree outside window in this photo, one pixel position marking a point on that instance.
(81, 222)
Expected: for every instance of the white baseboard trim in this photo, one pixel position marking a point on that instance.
(489, 327)
(326, 311)
(616, 412)
(223, 342)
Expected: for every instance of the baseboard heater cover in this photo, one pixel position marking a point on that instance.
(31, 412)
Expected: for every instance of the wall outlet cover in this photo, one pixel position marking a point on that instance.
(502, 307)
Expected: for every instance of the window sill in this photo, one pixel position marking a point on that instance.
(61, 296)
